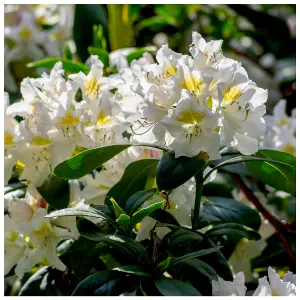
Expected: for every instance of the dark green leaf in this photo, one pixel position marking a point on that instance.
(71, 66)
(136, 54)
(134, 179)
(182, 236)
(278, 171)
(172, 287)
(127, 246)
(101, 53)
(123, 221)
(105, 283)
(177, 260)
(163, 265)
(204, 268)
(142, 213)
(89, 230)
(41, 283)
(137, 199)
(236, 230)
(55, 191)
(134, 270)
(173, 172)
(86, 161)
(224, 210)
(164, 217)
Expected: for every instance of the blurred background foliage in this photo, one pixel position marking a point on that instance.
(262, 37)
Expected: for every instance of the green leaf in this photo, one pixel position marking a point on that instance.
(172, 287)
(89, 230)
(101, 53)
(123, 221)
(278, 170)
(119, 26)
(80, 212)
(236, 230)
(134, 270)
(137, 199)
(142, 213)
(182, 236)
(134, 179)
(173, 172)
(41, 283)
(105, 283)
(155, 23)
(203, 268)
(224, 210)
(55, 191)
(68, 65)
(118, 210)
(86, 16)
(163, 265)
(164, 217)
(86, 161)
(177, 260)
(83, 256)
(127, 246)
(137, 54)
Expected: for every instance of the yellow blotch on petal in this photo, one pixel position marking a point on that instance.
(284, 122)
(44, 230)
(103, 119)
(8, 139)
(39, 141)
(190, 117)
(12, 237)
(288, 148)
(91, 86)
(25, 33)
(170, 70)
(193, 84)
(69, 120)
(230, 94)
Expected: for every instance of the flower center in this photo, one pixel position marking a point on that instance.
(69, 120)
(190, 117)
(102, 118)
(91, 87)
(230, 94)
(289, 149)
(170, 70)
(39, 141)
(8, 139)
(25, 33)
(193, 84)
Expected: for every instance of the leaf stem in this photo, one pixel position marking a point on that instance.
(198, 197)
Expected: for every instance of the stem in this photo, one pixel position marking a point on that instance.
(198, 197)
(281, 228)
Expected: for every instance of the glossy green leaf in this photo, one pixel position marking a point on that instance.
(134, 179)
(236, 230)
(55, 191)
(68, 65)
(123, 221)
(127, 246)
(278, 171)
(41, 283)
(138, 216)
(101, 53)
(86, 161)
(173, 172)
(173, 287)
(134, 270)
(137, 199)
(137, 54)
(182, 236)
(225, 210)
(203, 268)
(118, 210)
(105, 283)
(177, 260)
(88, 229)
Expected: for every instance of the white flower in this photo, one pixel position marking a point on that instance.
(14, 245)
(193, 127)
(275, 286)
(205, 54)
(44, 238)
(229, 288)
(242, 109)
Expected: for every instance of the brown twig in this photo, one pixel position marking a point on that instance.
(277, 224)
